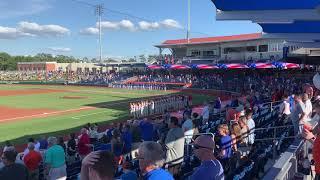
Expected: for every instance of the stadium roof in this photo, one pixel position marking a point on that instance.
(244, 5)
(217, 39)
(286, 19)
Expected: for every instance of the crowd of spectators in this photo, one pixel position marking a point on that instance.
(155, 148)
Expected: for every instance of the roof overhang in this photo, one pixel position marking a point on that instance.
(267, 16)
(245, 5)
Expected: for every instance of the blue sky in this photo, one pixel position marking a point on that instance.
(67, 27)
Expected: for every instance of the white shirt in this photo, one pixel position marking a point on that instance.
(251, 125)
(308, 109)
(205, 112)
(36, 148)
(285, 108)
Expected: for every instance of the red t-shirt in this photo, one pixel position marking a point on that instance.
(232, 114)
(316, 154)
(82, 144)
(32, 160)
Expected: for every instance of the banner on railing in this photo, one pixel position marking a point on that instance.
(274, 65)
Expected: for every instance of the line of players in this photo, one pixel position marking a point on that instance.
(159, 105)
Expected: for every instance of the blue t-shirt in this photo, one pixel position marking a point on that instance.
(158, 174)
(208, 170)
(146, 131)
(131, 175)
(291, 102)
(127, 139)
(225, 144)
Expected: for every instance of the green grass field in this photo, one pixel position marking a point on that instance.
(110, 105)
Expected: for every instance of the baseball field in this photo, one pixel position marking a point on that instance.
(36, 110)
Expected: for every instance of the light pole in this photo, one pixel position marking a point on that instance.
(189, 21)
(99, 12)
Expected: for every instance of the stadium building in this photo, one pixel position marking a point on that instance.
(244, 48)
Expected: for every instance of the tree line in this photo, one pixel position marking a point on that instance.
(9, 62)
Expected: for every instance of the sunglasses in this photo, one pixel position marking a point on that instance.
(195, 146)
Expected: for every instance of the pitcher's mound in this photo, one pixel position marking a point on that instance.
(74, 97)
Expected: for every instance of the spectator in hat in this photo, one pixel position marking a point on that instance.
(210, 168)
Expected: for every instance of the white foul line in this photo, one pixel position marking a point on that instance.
(45, 114)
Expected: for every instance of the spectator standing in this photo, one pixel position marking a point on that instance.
(116, 144)
(314, 138)
(217, 106)
(32, 161)
(205, 113)
(84, 143)
(71, 148)
(146, 130)
(298, 115)
(12, 170)
(284, 110)
(308, 104)
(98, 165)
(36, 147)
(174, 143)
(210, 168)
(225, 145)
(251, 126)
(151, 159)
(62, 144)
(55, 160)
(188, 129)
(43, 143)
(127, 139)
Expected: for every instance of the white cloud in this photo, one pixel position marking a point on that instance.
(90, 31)
(124, 24)
(144, 25)
(171, 24)
(59, 49)
(165, 24)
(42, 30)
(130, 26)
(12, 33)
(30, 29)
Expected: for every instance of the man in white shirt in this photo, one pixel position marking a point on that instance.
(284, 110)
(308, 104)
(205, 113)
(251, 126)
(36, 147)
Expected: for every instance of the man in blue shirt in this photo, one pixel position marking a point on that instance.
(146, 130)
(151, 159)
(127, 139)
(210, 168)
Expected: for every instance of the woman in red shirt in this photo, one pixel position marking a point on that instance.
(84, 146)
